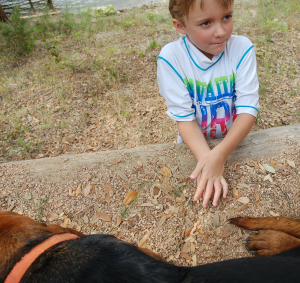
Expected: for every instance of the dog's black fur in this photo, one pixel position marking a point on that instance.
(105, 259)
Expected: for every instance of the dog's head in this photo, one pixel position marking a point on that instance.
(17, 230)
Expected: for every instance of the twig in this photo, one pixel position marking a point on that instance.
(288, 199)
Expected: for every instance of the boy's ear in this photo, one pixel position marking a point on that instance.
(179, 26)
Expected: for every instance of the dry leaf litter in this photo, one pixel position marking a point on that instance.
(150, 205)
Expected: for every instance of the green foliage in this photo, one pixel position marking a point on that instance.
(278, 26)
(127, 24)
(18, 34)
(153, 44)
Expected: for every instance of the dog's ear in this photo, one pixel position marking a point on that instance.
(57, 229)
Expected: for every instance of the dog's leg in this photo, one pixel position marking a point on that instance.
(269, 242)
(287, 225)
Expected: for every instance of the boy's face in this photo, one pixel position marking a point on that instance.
(209, 28)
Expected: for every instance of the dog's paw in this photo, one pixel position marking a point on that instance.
(269, 242)
(247, 222)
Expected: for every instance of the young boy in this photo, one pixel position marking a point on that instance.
(208, 78)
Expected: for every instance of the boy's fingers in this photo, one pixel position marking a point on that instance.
(206, 197)
(225, 187)
(197, 171)
(200, 187)
(218, 191)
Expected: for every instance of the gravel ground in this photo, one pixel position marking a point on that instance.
(162, 217)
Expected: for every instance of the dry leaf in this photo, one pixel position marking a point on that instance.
(85, 219)
(206, 239)
(243, 207)
(257, 197)
(186, 256)
(240, 232)
(187, 231)
(273, 162)
(88, 189)
(156, 191)
(236, 193)
(139, 163)
(243, 185)
(108, 200)
(78, 190)
(71, 194)
(218, 231)
(53, 216)
(244, 200)
(193, 248)
(65, 223)
(267, 177)
(261, 167)
(108, 190)
(194, 263)
(94, 218)
(161, 221)
(269, 168)
(166, 171)
(291, 163)
(216, 220)
(116, 161)
(144, 239)
(179, 200)
(201, 232)
(146, 204)
(119, 219)
(260, 207)
(225, 235)
(129, 198)
(96, 207)
(88, 176)
(167, 186)
(274, 214)
(103, 216)
(186, 180)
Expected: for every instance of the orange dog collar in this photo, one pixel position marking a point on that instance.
(21, 267)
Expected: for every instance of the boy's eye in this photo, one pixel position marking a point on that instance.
(227, 17)
(205, 23)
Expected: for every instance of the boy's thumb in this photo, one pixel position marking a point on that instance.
(197, 171)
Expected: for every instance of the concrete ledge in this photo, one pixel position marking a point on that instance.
(268, 143)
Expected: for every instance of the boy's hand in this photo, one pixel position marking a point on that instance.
(209, 174)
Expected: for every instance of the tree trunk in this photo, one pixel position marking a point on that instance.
(50, 4)
(31, 5)
(3, 16)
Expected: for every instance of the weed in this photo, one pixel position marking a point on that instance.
(293, 93)
(124, 213)
(142, 53)
(127, 24)
(153, 44)
(18, 34)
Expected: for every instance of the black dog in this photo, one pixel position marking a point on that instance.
(105, 259)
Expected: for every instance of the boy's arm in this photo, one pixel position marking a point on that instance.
(211, 165)
(193, 138)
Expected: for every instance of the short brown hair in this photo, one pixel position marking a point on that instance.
(181, 8)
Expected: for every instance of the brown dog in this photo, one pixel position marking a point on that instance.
(105, 259)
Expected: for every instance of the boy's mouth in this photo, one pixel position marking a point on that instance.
(219, 43)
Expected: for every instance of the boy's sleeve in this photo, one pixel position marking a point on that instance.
(246, 84)
(175, 92)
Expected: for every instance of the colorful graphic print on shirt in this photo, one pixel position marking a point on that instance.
(208, 98)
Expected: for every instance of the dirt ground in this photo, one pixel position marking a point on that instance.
(163, 216)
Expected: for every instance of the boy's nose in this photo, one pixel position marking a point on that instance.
(219, 31)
